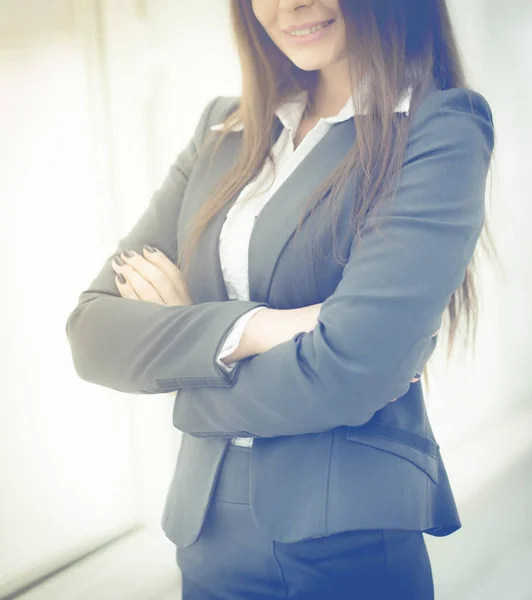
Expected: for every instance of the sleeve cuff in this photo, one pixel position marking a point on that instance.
(233, 338)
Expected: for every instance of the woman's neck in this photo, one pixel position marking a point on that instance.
(332, 91)
(327, 103)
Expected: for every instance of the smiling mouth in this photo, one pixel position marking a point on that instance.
(310, 30)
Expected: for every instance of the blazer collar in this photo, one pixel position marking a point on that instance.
(291, 111)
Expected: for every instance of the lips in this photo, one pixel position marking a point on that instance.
(308, 25)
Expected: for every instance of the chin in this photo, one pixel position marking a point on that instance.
(311, 65)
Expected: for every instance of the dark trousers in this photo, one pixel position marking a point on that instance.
(233, 560)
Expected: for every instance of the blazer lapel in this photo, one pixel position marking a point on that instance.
(278, 220)
(206, 282)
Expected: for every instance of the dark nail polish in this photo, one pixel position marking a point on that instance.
(149, 248)
(121, 278)
(129, 254)
(119, 261)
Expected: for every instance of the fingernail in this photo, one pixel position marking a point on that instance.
(121, 278)
(119, 261)
(129, 254)
(150, 248)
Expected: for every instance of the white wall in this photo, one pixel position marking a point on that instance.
(67, 474)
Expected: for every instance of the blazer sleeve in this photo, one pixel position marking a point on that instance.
(138, 347)
(373, 332)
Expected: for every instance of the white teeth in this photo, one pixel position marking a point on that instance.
(299, 32)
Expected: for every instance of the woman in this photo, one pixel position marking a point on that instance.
(292, 271)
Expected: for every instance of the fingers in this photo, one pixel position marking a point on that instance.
(162, 262)
(149, 281)
(135, 287)
(124, 287)
(153, 276)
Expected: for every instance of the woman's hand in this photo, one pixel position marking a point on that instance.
(152, 277)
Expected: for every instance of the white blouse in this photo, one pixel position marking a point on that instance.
(236, 231)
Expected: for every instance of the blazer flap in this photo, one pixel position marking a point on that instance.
(418, 449)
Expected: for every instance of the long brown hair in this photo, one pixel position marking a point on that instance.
(402, 44)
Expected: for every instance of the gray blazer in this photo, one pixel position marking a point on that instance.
(331, 452)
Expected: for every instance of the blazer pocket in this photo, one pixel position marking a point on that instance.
(418, 449)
